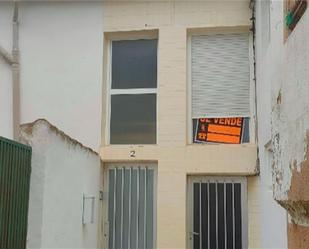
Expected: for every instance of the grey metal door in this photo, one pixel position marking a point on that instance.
(131, 206)
(217, 211)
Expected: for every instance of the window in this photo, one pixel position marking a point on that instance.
(131, 207)
(217, 213)
(133, 92)
(293, 11)
(220, 78)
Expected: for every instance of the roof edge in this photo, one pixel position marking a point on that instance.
(28, 127)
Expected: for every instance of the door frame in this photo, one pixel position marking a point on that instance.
(105, 225)
(217, 179)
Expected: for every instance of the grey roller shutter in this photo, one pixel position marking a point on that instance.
(220, 75)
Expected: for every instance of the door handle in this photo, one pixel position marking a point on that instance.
(192, 234)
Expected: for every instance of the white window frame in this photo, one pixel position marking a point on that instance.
(110, 91)
(134, 165)
(217, 179)
(252, 133)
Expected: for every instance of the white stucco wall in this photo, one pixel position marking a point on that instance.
(61, 53)
(283, 76)
(62, 171)
(270, 61)
(290, 118)
(6, 118)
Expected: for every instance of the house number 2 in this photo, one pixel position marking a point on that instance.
(132, 153)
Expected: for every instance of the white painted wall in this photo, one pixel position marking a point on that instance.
(290, 119)
(61, 172)
(6, 117)
(269, 60)
(284, 71)
(61, 53)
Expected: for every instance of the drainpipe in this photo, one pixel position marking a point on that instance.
(13, 60)
(252, 6)
(16, 75)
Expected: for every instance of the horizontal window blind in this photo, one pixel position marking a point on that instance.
(220, 75)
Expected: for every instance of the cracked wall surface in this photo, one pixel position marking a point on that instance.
(290, 119)
(285, 69)
(283, 115)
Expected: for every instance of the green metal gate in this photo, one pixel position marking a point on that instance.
(15, 169)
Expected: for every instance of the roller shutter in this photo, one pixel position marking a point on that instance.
(220, 75)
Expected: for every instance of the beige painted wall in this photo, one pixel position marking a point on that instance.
(170, 22)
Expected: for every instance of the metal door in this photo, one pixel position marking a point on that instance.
(217, 213)
(131, 206)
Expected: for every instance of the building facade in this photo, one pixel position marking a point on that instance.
(158, 182)
(198, 110)
(282, 80)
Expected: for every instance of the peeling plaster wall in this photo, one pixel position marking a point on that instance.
(286, 70)
(290, 108)
(283, 87)
(284, 65)
(269, 46)
(62, 171)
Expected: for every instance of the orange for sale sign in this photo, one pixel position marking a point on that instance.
(219, 130)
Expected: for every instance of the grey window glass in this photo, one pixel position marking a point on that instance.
(134, 64)
(126, 208)
(246, 131)
(149, 209)
(134, 210)
(118, 209)
(142, 209)
(133, 119)
(111, 206)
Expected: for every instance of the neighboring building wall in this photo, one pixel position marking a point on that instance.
(176, 157)
(274, 217)
(6, 110)
(283, 71)
(62, 171)
(61, 53)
